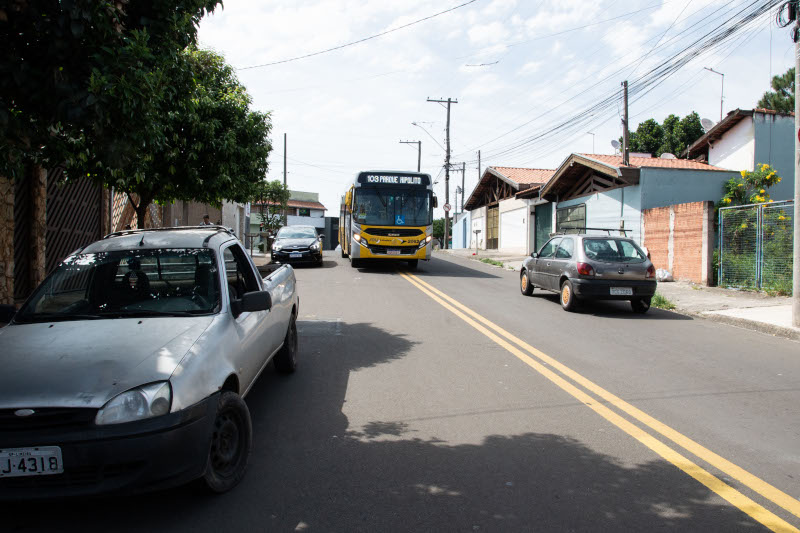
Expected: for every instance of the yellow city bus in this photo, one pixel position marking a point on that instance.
(387, 214)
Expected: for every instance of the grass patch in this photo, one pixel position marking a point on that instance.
(489, 261)
(662, 303)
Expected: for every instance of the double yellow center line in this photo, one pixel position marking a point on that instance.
(544, 364)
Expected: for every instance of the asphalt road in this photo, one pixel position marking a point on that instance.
(446, 401)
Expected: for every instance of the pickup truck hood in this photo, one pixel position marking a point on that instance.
(85, 363)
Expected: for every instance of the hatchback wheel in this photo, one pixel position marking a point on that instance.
(231, 442)
(525, 286)
(642, 305)
(567, 296)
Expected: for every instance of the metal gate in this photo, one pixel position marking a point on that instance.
(74, 211)
(755, 246)
(492, 228)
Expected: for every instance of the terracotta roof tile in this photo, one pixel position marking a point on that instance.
(533, 176)
(642, 162)
(301, 204)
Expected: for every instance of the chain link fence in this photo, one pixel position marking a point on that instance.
(755, 246)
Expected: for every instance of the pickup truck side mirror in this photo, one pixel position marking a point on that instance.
(252, 301)
(7, 312)
(534, 255)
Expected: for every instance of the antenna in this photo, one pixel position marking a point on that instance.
(667, 155)
(707, 124)
(615, 144)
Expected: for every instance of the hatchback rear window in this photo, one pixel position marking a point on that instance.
(612, 251)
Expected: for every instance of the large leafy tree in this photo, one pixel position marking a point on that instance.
(80, 80)
(271, 198)
(673, 136)
(214, 147)
(781, 98)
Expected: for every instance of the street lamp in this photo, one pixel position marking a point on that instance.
(721, 91)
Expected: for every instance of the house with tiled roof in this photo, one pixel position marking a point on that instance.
(746, 138)
(302, 209)
(501, 220)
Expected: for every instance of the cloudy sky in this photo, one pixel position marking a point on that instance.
(521, 70)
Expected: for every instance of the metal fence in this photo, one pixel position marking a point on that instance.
(755, 246)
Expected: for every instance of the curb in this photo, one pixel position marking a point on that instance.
(753, 325)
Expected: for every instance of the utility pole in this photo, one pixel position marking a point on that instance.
(463, 180)
(446, 170)
(284, 175)
(625, 147)
(419, 151)
(592, 134)
(796, 240)
(721, 91)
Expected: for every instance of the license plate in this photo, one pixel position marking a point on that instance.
(393, 252)
(39, 461)
(295, 256)
(621, 291)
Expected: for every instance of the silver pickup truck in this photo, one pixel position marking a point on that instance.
(126, 368)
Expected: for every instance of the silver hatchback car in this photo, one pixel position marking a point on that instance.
(591, 267)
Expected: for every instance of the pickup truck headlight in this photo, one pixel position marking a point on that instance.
(142, 402)
(314, 246)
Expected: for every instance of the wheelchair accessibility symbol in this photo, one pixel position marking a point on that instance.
(400, 220)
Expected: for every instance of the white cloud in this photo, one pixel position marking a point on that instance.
(530, 67)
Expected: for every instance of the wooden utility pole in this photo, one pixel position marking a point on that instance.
(284, 175)
(419, 151)
(463, 181)
(625, 147)
(446, 170)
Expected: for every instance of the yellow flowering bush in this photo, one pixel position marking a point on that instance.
(751, 187)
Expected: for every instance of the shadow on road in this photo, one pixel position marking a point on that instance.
(311, 471)
(611, 309)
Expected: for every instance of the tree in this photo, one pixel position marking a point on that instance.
(750, 188)
(438, 229)
(80, 80)
(214, 147)
(271, 198)
(673, 136)
(782, 97)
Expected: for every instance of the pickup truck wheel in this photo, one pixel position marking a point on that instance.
(286, 358)
(525, 285)
(567, 296)
(231, 442)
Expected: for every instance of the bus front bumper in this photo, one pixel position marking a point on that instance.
(402, 253)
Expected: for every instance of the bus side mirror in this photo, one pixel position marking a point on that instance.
(435, 202)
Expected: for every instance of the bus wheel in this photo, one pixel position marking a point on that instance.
(344, 255)
(412, 265)
(355, 263)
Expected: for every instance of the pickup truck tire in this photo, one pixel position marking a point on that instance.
(231, 442)
(286, 358)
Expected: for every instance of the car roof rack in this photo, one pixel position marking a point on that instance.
(574, 231)
(214, 228)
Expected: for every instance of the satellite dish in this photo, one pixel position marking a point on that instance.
(615, 144)
(667, 155)
(707, 124)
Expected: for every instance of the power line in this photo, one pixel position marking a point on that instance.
(360, 40)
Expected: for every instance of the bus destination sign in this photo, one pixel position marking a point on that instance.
(368, 178)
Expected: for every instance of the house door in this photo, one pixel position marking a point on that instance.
(492, 227)
(543, 224)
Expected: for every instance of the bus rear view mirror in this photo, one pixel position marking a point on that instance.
(435, 202)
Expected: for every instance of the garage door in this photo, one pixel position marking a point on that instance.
(512, 229)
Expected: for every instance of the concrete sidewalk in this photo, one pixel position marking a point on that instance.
(745, 309)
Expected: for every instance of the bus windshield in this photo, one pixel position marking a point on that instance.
(393, 207)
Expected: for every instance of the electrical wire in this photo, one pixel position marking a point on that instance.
(332, 49)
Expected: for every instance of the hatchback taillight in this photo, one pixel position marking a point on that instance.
(651, 272)
(585, 269)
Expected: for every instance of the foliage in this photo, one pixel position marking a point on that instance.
(81, 81)
(673, 136)
(750, 187)
(214, 147)
(438, 229)
(271, 198)
(660, 302)
(781, 98)
(489, 261)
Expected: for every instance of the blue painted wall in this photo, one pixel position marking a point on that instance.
(662, 187)
(774, 145)
(604, 210)
(460, 236)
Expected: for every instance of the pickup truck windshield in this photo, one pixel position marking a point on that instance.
(171, 282)
(393, 207)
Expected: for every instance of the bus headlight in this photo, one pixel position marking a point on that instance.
(356, 237)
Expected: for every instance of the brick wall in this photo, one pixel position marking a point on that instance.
(678, 238)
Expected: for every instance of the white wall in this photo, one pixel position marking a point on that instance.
(294, 220)
(513, 230)
(478, 222)
(736, 149)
